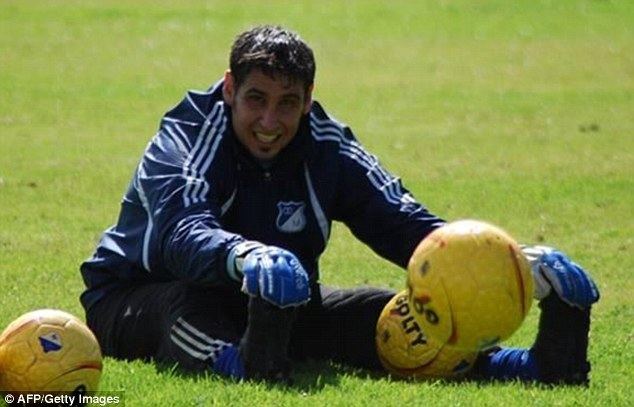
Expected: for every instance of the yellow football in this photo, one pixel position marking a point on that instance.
(470, 286)
(406, 350)
(49, 350)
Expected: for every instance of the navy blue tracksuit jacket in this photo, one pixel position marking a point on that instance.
(197, 192)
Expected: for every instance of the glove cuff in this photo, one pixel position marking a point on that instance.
(534, 256)
(541, 285)
(235, 258)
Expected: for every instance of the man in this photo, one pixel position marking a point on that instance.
(213, 262)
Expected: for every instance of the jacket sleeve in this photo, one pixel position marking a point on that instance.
(185, 238)
(377, 208)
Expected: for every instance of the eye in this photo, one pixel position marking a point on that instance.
(255, 98)
(290, 103)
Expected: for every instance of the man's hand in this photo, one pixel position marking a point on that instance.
(272, 273)
(554, 270)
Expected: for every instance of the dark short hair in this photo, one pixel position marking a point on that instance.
(275, 51)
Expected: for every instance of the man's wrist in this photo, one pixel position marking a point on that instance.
(235, 258)
(534, 256)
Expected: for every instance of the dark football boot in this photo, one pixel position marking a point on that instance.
(561, 346)
(264, 345)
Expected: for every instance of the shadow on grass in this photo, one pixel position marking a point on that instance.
(312, 376)
(307, 377)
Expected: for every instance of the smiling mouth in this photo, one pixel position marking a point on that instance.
(267, 138)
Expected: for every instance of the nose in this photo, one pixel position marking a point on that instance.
(268, 121)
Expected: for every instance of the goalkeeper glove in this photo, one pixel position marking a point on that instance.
(269, 272)
(552, 269)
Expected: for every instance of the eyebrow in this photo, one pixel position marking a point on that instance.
(290, 95)
(293, 96)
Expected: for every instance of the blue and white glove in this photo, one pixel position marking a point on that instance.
(272, 273)
(552, 269)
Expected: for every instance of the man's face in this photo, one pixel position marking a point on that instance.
(266, 111)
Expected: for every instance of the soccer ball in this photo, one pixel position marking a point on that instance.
(406, 350)
(469, 285)
(49, 350)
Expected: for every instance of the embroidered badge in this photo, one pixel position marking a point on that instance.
(290, 216)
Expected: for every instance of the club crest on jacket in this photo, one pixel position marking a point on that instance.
(290, 216)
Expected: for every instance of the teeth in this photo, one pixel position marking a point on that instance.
(266, 138)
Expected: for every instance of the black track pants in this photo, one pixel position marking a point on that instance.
(185, 323)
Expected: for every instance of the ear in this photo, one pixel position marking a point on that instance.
(228, 88)
(309, 99)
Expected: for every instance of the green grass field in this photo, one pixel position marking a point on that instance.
(516, 112)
